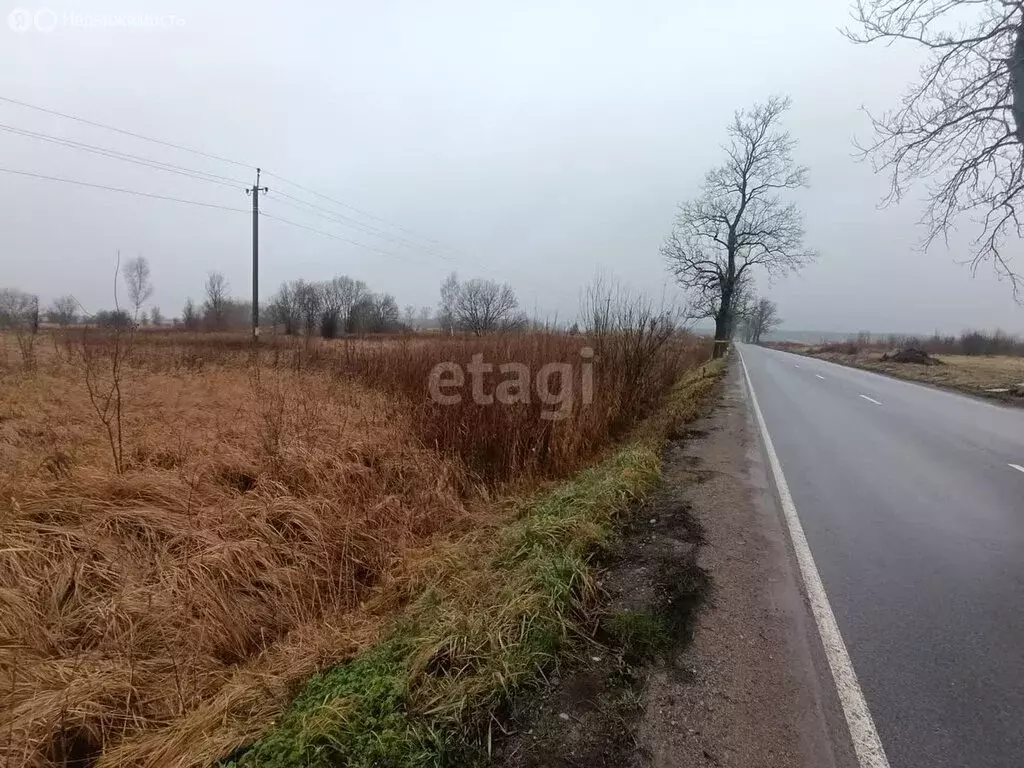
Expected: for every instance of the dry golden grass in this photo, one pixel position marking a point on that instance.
(261, 529)
(975, 374)
(188, 595)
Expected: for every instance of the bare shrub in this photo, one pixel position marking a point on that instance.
(484, 306)
(19, 312)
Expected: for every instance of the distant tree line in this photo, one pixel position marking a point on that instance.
(327, 308)
(331, 308)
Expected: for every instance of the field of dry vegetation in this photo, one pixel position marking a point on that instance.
(190, 530)
(986, 365)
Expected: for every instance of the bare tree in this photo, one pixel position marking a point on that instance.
(409, 317)
(63, 311)
(741, 221)
(761, 317)
(137, 281)
(309, 303)
(283, 310)
(156, 316)
(960, 127)
(190, 315)
(483, 306)
(337, 297)
(375, 313)
(216, 304)
(18, 309)
(450, 289)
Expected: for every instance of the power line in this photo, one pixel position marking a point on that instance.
(210, 177)
(336, 237)
(324, 213)
(122, 190)
(200, 153)
(380, 233)
(353, 208)
(123, 132)
(127, 157)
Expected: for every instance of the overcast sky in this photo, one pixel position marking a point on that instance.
(533, 141)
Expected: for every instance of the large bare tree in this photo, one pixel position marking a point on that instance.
(959, 128)
(741, 221)
(484, 306)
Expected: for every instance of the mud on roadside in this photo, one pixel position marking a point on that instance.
(653, 588)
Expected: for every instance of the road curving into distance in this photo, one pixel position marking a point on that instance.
(912, 503)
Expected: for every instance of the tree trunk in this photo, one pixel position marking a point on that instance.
(722, 333)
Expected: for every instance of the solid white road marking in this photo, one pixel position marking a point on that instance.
(866, 743)
(870, 399)
(820, 376)
(1018, 467)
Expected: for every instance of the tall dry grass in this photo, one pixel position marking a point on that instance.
(224, 565)
(165, 614)
(504, 442)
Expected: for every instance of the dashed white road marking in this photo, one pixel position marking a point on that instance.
(870, 399)
(820, 376)
(1018, 467)
(866, 743)
(795, 365)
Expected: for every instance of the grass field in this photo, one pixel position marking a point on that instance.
(191, 531)
(973, 374)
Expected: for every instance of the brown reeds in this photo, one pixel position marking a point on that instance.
(261, 499)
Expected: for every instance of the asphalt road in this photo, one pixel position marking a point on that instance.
(914, 514)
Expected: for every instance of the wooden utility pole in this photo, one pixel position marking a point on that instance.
(255, 191)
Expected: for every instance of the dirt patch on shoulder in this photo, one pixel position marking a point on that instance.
(653, 588)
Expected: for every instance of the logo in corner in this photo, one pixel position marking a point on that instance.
(19, 20)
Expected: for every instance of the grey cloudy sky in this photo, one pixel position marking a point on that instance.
(539, 141)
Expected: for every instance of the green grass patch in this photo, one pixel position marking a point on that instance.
(639, 634)
(494, 619)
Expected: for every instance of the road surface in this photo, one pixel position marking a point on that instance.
(912, 502)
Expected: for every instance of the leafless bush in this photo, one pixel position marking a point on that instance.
(19, 311)
(632, 334)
